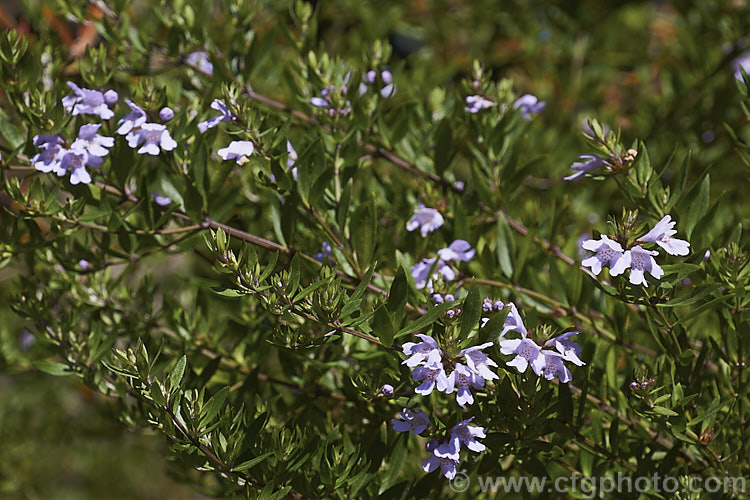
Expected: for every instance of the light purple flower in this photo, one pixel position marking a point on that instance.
(414, 421)
(458, 250)
(152, 136)
(476, 103)
(50, 154)
(640, 261)
(134, 119)
(463, 378)
(87, 102)
(75, 161)
(513, 323)
(387, 390)
(199, 60)
(237, 150)
(426, 219)
(225, 116)
(479, 362)
(327, 252)
(662, 234)
(433, 375)
(84, 264)
(166, 113)
(111, 97)
(569, 350)
(425, 352)
(291, 159)
(585, 163)
(464, 434)
(441, 457)
(421, 272)
(92, 142)
(607, 252)
(160, 200)
(319, 102)
(527, 353)
(554, 367)
(529, 105)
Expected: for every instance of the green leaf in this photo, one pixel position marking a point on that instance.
(504, 246)
(214, 406)
(699, 206)
(443, 145)
(363, 229)
(175, 378)
(227, 292)
(664, 411)
(53, 368)
(426, 320)
(471, 311)
(249, 464)
(397, 296)
(382, 326)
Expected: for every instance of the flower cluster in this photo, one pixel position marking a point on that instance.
(371, 77)
(445, 454)
(328, 98)
(610, 253)
(544, 356)
(429, 362)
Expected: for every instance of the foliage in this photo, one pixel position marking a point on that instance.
(245, 275)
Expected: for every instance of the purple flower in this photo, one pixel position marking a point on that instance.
(199, 60)
(513, 323)
(554, 367)
(607, 253)
(151, 135)
(529, 105)
(585, 163)
(458, 250)
(569, 350)
(166, 113)
(84, 264)
(92, 142)
(110, 97)
(387, 390)
(76, 161)
(237, 150)
(88, 102)
(465, 434)
(432, 374)
(441, 457)
(319, 102)
(134, 119)
(50, 154)
(478, 361)
(527, 353)
(662, 234)
(225, 116)
(160, 200)
(476, 103)
(426, 219)
(464, 379)
(640, 261)
(425, 352)
(326, 252)
(421, 272)
(414, 421)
